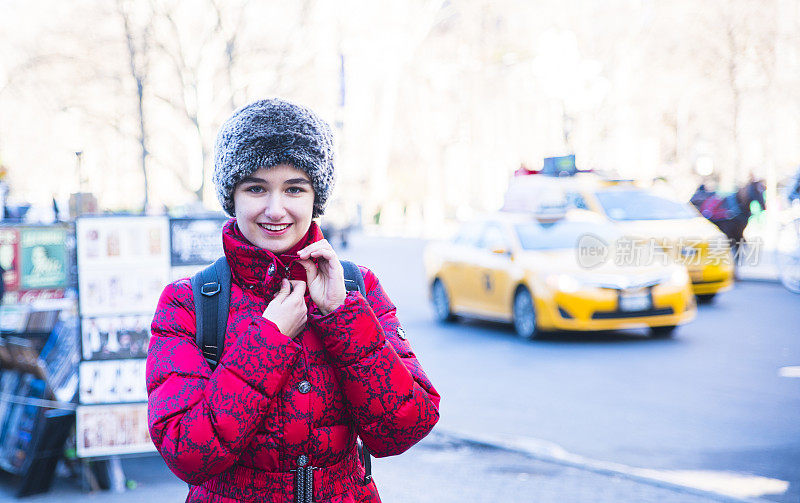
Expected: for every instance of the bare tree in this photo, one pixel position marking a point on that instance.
(212, 53)
(735, 46)
(138, 42)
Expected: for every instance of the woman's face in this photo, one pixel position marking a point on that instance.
(274, 207)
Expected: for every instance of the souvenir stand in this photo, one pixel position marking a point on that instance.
(39, 351)
(74, 332)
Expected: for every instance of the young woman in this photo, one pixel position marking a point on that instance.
(307, 366)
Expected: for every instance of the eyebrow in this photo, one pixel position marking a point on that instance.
(291, 181)
(252, 179)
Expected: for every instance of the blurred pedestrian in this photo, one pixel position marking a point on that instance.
(2, 284)
(792, 191)
(307, 366)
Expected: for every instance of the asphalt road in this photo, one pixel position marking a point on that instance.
(708, 409)
(709, 404)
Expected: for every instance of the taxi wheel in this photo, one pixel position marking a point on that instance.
(441, 302)
(525, 314)
(705, 298)
(662, 332)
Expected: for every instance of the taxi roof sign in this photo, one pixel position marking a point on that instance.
(559, 166)
(555, 167)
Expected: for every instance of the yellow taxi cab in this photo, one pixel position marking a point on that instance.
(642, 214)
(675, 226)
(546, 274)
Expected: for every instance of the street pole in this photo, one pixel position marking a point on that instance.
(79, 198)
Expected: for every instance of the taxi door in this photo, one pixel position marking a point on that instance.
(494, 274)
(461, 265)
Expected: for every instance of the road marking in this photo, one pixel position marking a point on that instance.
(723, 483)
(738, 485)
(789, 372)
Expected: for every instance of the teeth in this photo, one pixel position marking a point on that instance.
(274, 227)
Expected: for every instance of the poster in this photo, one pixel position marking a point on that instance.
(121, 292)
(103, 430)
(43, 261)
(112, 381)
(123, 264)
(115, 337)
(195, 241)
(9, 257)
(122, 241)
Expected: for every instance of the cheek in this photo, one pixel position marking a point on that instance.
(245, 208)
(303, 209)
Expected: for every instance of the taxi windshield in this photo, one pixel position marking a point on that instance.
(560, 235)
(634, 204)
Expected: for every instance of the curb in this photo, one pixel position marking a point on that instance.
(759, 279)
(758, 274)
(559, 457)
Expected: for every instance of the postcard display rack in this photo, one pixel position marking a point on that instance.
(39, 351)
(123, 265)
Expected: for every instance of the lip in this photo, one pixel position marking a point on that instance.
(274, 233)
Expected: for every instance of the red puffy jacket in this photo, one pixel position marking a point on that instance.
(274, 403)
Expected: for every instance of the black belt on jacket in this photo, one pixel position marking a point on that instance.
(320, 483)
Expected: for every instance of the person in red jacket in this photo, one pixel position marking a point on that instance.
(307, 366)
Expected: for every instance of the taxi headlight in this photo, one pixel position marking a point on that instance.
(677, 277)
(564, 283)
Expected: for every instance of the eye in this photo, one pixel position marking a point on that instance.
(295, 190)
(255, 189)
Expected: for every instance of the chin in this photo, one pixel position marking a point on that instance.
(276, 248)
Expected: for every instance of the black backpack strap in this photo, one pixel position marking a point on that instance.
(354, 280)
(211, 288)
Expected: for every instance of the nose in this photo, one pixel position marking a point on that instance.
(275, 210)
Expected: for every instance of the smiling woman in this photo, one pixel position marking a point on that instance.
(308, 367)
(274, 207)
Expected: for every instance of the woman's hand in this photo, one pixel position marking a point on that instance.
(325, 277)
(288, 309)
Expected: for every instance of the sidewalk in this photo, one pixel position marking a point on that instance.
(442, 468)
(764, 269)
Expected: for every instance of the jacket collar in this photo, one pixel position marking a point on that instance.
(252, 266)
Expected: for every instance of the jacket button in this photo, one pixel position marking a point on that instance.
(304, 387)
(271, 269)
(302, 460)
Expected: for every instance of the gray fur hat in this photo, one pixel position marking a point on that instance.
(271, 132)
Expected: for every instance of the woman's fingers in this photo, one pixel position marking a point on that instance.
(311, 269)
(285, 289)
(328, 255)
(298, 288)
(287, 309)
(320, 248)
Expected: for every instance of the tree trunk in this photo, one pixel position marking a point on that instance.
(143, 141)
(139, 73)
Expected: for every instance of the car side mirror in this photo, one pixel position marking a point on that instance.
(501, 250)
